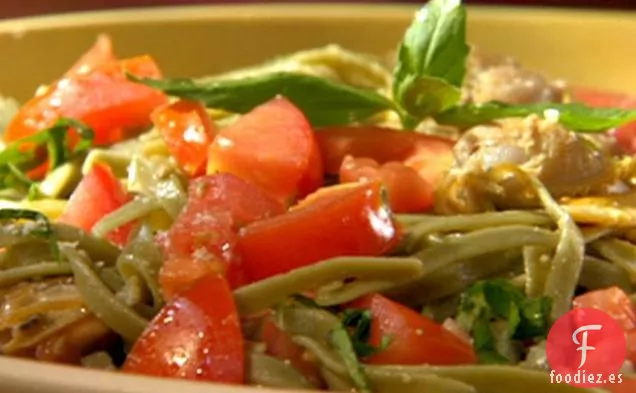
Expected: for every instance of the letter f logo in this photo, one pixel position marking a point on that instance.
(583, 344)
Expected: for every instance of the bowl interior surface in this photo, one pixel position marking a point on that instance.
(586, 48)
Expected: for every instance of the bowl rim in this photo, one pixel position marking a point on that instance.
(282, 11)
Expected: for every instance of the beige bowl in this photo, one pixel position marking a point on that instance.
(587, 48)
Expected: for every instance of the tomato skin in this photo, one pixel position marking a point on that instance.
(281, 346)
(408, 191)
(430, 156)
(100, 54)
(415, 339)
(195, 336)
(351, 221)
(98, 194)
(203, 237)
(612, 301)
(188, 131)
(272, 146)
(625, 135)
(104, 99)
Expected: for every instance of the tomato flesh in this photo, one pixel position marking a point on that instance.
(415, 339)
(98, 194)
(103, 99)
(430, 156)
(351, 221)
(195, 336)
(408, 192)
(203, 237)
(100, 54)
(187, 131)
(272, 146)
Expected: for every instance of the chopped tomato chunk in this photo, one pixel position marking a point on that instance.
(100, 54)
(625, 135)
(104, 99)
(195, 336)
(350, 221)
(430, 156)
(617, 304)
(98, 194)
(188, 131)
(272, 146)
(414, 339)
(612, 301)
(408, 191)
(202, 239)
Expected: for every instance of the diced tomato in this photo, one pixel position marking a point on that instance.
(627, 385)
(430, 156)
(281, 346)
(625, 135)
(408, 191)
(195, 336)
(415, 339)
(612, 301)
(617, 304)
(188, 131)
(104, 99)
(97, 194)
(100, 54)
(202, 239)
(351, 221)
(272, 146)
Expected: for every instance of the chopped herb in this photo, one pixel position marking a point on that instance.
(341, 342)
(431, 61)
(499, 301)
(359, 320)
(324, 102)
(28, 153)
(42, 229)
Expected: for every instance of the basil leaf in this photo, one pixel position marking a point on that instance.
(574, 116)
(42, 229)
(27, 153)
(341, 342)
(323, 102)
(359, 320)
(489, 302)
(431, 61)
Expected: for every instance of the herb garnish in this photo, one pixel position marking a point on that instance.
(42, 228)
(427, 82)
(499, 301)
(359, 321)
(29, 152)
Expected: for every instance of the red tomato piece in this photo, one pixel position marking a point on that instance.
(98, 194)
(612, 301)
(195, 336)
(272, 146)
(202, 239)
(104, 99)
(188, 131)
(625, 135)
(408, 191)
(100, 54)
(351, 221)
(430, 156)
(281, 346)
(415, 339)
